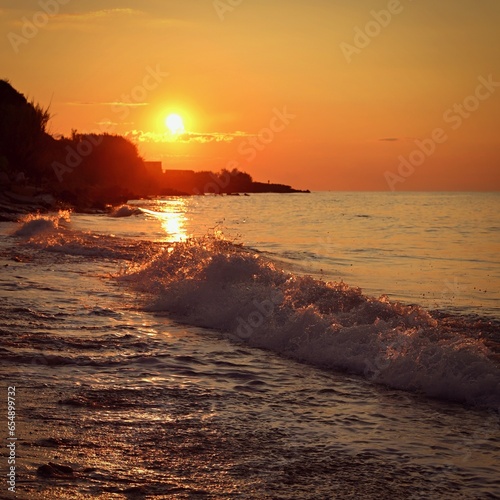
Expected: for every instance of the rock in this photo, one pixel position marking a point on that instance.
(54, 470)
(44, 470)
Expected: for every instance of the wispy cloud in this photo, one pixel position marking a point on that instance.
(112, 103)
(97, 14)
(97, 18)
(397, 139)
(203, 138)
(85, 17)
(90, 21)
(79, 19)
(107, 123)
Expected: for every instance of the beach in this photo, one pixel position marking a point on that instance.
(334, 345)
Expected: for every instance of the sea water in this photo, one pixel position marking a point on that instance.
(331, 345)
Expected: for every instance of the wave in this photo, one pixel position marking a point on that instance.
(36, 224)
(126, 211)
(52, 234)
(214, 283)
(211, 282)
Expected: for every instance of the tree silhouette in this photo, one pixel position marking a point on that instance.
(23, 137)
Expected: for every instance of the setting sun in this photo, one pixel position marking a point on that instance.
(175, 124)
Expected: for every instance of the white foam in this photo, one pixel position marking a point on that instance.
(212, 283)
(125, 211)
(36, 224)
(34, 227)
(50, 233)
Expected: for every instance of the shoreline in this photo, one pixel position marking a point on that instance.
(14, 205)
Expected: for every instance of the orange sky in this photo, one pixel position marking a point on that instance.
(320, 94)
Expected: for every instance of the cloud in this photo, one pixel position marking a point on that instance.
(397, 139)
(97, 18)
(99, 14)
(90, 21)
(62, 20)
(107, 123)
(96, 14)
(112, 103)
(211, 137)
(186, 137)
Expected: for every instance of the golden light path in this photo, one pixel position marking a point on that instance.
(171, 214)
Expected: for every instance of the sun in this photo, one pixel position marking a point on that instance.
(175, 124)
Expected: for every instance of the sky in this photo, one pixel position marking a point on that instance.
(395, 95)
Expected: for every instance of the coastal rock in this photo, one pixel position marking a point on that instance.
(55, 470)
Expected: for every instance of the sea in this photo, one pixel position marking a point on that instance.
(272, 346)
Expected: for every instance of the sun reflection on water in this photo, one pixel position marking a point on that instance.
(172, 215)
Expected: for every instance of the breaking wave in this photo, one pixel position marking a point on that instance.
(36, 224)
(213, 283)
(126, 211)
(52, 234)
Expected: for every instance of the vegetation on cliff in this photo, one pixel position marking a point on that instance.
(91, 170)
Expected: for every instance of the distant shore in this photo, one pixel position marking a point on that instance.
(90, 172)
(18, 200)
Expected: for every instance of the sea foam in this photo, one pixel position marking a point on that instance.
(126, 211)
(213, 283)
(52, 233)
(36, 224)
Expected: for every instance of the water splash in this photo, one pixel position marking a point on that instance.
(214, 283)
